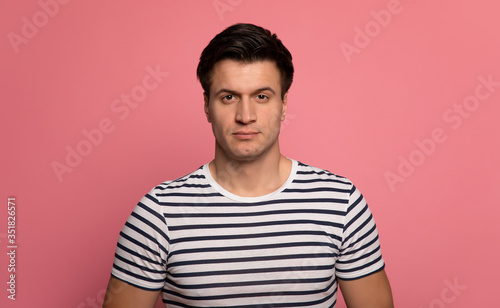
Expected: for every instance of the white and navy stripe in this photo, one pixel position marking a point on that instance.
(205, 247)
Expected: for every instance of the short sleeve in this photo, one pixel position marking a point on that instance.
(142, 249)
(360, 254)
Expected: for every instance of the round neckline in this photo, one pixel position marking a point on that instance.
(227, 194)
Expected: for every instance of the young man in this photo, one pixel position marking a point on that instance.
(252, 228)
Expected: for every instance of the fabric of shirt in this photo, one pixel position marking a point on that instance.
(206, 247)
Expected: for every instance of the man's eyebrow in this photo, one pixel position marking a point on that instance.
(223, 90)
(266, 89)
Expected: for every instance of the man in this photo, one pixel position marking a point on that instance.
(252, 228)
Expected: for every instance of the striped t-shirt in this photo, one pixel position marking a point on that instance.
(206, 247)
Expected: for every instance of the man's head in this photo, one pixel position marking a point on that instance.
(245, 43)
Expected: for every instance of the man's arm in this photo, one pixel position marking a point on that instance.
(372, 291)
(123, 295)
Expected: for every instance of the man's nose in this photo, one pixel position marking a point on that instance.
(245, 112)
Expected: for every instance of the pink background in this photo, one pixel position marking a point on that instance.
(360, 113)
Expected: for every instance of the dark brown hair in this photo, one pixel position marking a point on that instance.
(245, 43)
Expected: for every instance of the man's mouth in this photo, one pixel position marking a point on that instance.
(245, 135)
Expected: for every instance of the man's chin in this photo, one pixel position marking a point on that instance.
(245, 156)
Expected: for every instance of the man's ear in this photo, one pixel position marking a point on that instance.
(207, 113)
(283, 110)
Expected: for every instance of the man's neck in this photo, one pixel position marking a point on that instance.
(251, 178)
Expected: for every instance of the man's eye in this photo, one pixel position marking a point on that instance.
(262, 97)
(228, 97)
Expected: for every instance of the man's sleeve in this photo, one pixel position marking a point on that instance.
(142, 249)
(360, 253)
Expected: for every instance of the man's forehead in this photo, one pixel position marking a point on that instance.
(233, 75)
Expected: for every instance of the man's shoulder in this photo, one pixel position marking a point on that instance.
(310, 173)
(193, 179)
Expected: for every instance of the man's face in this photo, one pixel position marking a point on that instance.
(245, 109)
